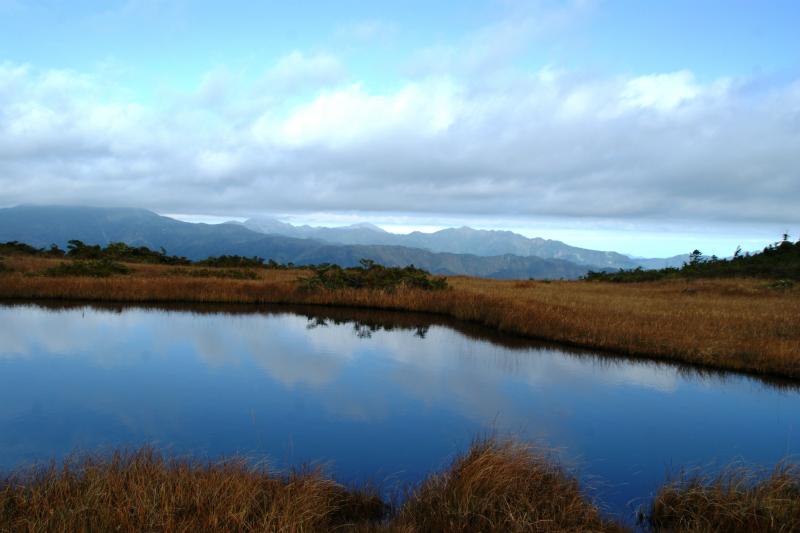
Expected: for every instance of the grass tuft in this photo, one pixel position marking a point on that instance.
(144, 491)
(495, 486)
(501, 486)
(738, 499)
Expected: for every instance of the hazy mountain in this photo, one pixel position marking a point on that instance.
(43, 225)
(463, 240)
(363, 233)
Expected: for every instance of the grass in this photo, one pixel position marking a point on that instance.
(500, 486)
(738, 499)
(742, 324)
(495, 486)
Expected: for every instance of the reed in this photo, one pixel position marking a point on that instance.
(501, 486)
(495, 486)
(746, 325)
(738, 499)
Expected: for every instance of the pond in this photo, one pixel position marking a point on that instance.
(374, 396)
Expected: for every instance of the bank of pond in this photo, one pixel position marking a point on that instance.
(498, 486)
(241, 418)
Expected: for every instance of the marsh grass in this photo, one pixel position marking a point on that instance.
(738, 499)
(144, 491)
(495, 486)
(501, 486)
(729, 324)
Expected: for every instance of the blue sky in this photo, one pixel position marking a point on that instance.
(604, 123)
(176, 43)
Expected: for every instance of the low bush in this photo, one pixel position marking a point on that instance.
(214, 273)
(232, 261)
(370, 276)
(20, 248)
(120, 251)
(95, 268)
(780, 261)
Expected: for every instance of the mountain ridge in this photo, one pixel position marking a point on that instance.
(467, 240)
(44, 225)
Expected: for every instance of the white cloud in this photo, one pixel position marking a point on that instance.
(298, 71)
(529, 143)
(351, 114)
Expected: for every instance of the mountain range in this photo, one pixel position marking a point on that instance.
(44, 225)
(463, 240)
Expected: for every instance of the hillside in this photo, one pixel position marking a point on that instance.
(42, 226)
(464, 240)
(779, 261)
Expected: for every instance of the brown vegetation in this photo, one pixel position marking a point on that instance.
(736, 500)
(500, 487)
(738, 324)
(496, 486)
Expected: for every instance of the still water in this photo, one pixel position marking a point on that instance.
(378, 397)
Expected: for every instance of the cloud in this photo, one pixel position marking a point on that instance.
(481, 51)
(547, 142)
(298, 71)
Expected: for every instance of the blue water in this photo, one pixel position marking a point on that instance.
(377, 397)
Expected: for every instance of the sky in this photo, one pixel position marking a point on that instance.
(650, 128)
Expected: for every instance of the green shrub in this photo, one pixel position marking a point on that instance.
(214, 273)
(781, 285)
(20, 248)
(119, 251)
(779, 261)
(370, 276)
(95, 268)
(233, 261)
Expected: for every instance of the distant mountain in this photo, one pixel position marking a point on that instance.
(676, 261)
(45, 225)
(463, 240)
(363, 233)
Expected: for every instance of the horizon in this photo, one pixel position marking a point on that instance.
(720, 251)
(650, 130)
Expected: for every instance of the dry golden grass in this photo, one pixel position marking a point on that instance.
(736, 500)
(494, 487)
(736, 324)
(500, 486)
(142, 491)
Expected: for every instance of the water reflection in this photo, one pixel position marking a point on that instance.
(382, 395)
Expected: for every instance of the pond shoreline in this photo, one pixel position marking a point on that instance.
(472, 329)
(500, 485)
(738, 325)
